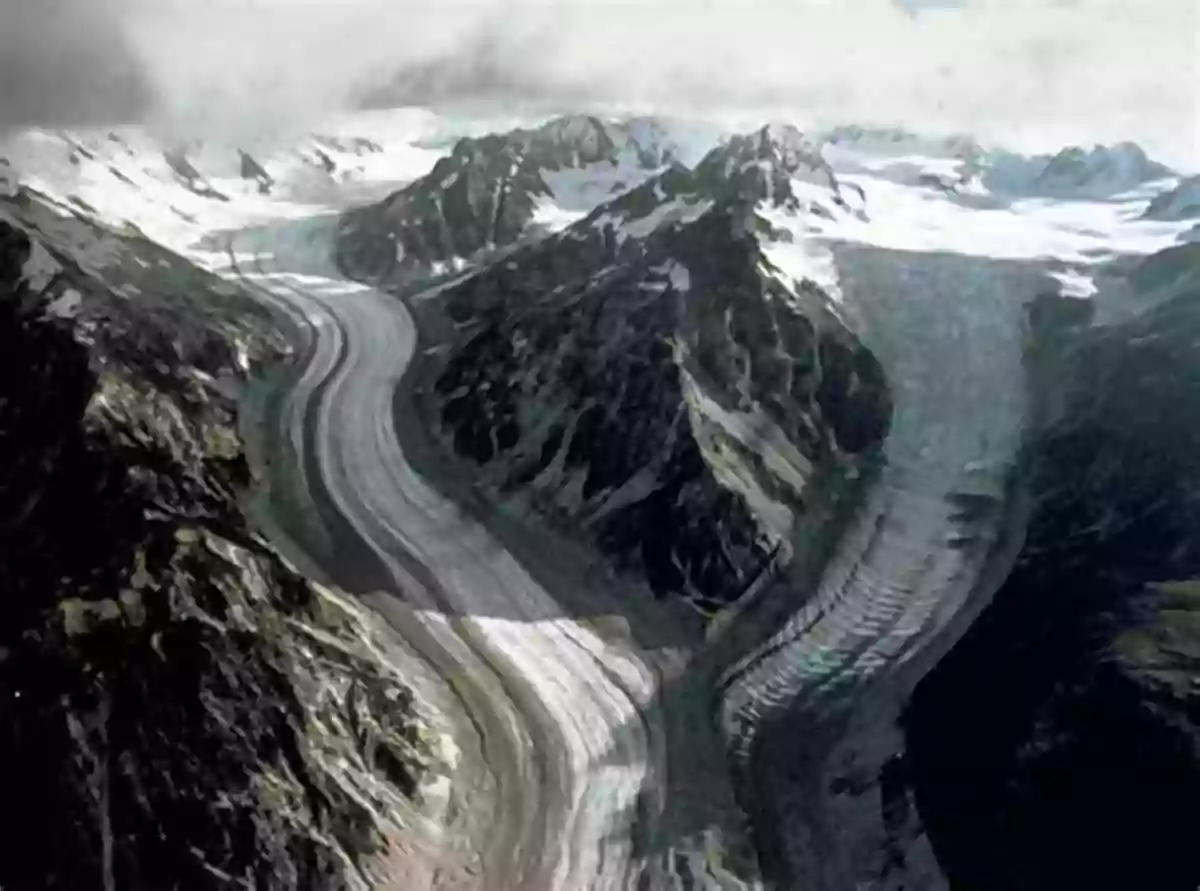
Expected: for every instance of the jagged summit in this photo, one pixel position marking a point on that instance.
(1119, 164)
(1098, 172)
(778, 167)
(781, 145)
(571, 140)
(494, 191)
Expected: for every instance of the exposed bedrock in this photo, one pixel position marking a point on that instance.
(1057, 746)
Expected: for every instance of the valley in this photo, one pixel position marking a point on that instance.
(569, 401)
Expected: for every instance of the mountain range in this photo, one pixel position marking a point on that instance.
(920, 467)
(679, 379)
(184, 706)
(665, 375)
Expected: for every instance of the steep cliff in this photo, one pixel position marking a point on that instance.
(1058, 746)
(178, 709)
(661, 377)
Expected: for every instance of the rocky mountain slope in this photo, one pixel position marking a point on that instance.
(1180, 203)
(1073, 759)
(676, 374)
(1074, 172)
(666, 378)
(492, 191)
(178, 190)
(177, 707)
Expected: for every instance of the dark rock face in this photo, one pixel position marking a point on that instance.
(252, 170)
(190, 176)
(482, 196)
(1058, 746)
(1099, 172)
(657, 388)
(1078, 167)
(160, 667)
(767, 165)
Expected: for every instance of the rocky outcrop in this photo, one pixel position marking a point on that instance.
(177, 707)
(1058, 745)
(190, 177)
(652, 381)
(486, 193)
(356, 145)
(1179, 203)
(252, 170)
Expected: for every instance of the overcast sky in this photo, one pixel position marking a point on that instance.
(1027, 72)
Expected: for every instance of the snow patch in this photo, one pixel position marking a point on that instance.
(439, 268)
(759, 435)
(799, 258)
(66, 305)
(1075, 283)
(586, 188)
(40, 267)
(552, 217)
(670, 212)
(681, 279)
(123, 173)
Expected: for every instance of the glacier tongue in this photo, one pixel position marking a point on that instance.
(948, 331)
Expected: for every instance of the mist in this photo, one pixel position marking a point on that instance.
(68, 62)
(1028, 74)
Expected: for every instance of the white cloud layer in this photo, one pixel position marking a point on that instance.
(1034, 73)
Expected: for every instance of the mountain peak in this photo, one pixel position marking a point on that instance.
(1075, 171)
(771, 164)
(781, 144)
(782, 132)
(1122, 164)
(570, 141)
(573, 127)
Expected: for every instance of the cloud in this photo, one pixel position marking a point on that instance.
(66, 61)
(1035, 74)
(1029, 72)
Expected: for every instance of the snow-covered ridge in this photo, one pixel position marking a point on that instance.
(808, 193)
(171, 191)
(772, 183)
(492, 191)
(961, 165)
(130, 177)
